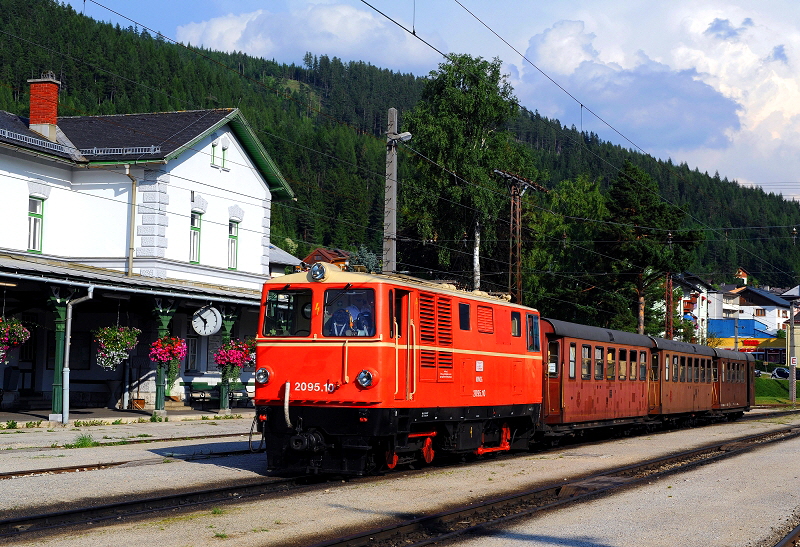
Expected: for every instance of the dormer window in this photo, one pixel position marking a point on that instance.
(225, 144)
(214, 157)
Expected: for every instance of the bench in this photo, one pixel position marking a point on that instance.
(203, 393)
(238, 394)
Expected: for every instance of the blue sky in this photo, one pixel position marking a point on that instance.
(712, 84)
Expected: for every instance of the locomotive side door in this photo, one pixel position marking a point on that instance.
(654, 384)
(400, 333)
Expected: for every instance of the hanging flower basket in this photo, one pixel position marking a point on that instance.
(114, 345)
(169, 350)
(233, 356)
(12, 334)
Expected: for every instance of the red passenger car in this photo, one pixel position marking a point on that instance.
(357, 372)
(596, 377)
(735, 382)
(599, 377)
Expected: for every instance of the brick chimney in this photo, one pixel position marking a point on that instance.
(44, 105)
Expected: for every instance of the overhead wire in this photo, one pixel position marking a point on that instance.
(589, 110)
(260, 83)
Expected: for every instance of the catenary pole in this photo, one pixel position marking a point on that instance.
(390, 205)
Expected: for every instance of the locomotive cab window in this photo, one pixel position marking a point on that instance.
(349, 312)
(288, 313)
(516, 324)
(463, 316)
(533, 332)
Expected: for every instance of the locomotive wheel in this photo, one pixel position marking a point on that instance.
(427, 450)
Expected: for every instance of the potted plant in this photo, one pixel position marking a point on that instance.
(12, 334)
(114, 344)
(168, 351)
(233, 356)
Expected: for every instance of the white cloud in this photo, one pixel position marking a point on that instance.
(323, 29)
(715, 86)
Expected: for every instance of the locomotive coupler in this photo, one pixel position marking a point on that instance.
(311, 441)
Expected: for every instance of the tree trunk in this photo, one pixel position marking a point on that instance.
(476, 258)
(640, 305)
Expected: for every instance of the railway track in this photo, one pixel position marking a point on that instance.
(476, 518)
(147, 461)
(57, 520)
(792, 539)
(563, 492)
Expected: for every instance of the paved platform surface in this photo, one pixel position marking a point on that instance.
(303, 517)
(33, 430)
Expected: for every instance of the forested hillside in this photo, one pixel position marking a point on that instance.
(323, 121)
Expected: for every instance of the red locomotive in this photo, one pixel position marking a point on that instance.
(358, 373)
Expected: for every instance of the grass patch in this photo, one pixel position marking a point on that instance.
(11, 424)
(88, 423)
(83, 441)
(771, 391)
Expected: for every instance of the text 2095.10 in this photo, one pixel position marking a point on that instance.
(315, 387)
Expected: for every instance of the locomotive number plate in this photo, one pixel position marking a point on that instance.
(316, 387)
(479, 393)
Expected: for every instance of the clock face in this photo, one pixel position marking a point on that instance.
(207, 321)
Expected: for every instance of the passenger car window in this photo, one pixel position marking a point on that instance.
(611, 361)
(572, 358)
(553, 359)
(586, 362)
(598, 363)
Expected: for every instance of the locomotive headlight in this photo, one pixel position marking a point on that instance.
(262, 376)
(318, 271)
(367, 378)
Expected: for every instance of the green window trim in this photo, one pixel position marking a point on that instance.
(233, 243)
(194, 237)
(35, 224)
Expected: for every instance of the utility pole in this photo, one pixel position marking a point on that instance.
(517, 186)
(390, 196)
(792, 358)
